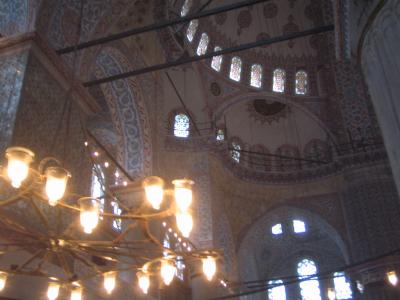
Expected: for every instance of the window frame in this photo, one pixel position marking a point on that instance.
(252, 71)
(175, 131)
(240, 66)
(283, 80)
(306, 85)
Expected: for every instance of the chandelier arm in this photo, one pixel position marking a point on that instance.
(122, 235)
(30, 259)
(43, 260)
(151, 236)
(40, 214)
(64, 264)
(85, 261)
(16, 198)
(19, 228)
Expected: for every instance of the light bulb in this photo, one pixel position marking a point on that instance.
(19, 160)
(168, 271)
(154, 189)
(184, 221)
(89, 214)
(3, 280)
(209, 267)
(392, 277)
(183, 194)
(331, 294)
(56, 183)
(360, 287)
(109, 282)
(144, 281)
(53, 290)
(76, 293)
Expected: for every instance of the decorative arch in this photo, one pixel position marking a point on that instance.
(260, 254)
(128, 112)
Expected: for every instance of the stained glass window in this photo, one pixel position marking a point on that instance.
(309, 289)
(180, 267)
(256, 76)
(117, 223)
(277, 229)
(278, 292)
(235, 152)
(299, 226)
(186, 7)
(203, 44)
(236, 68)
(97, 186)
(166, 244)
(191, 30)
(279, 81)
(181, 126)
(301, 83)
(220, 135)
(216, 61)
(342, 286)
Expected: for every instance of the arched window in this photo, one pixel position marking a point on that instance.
(279, 78)
(203, 44)
(97, 186)
(180, 268)
(220, 135)
(277, 229)
(166, 244)
(277, 291)
(181, 125)
(342, 286)
(301, 83)
(216, 61)
(116, 210)
(256, 76)
(299, 226)
(309, 289)
(236, 69)
(235, 152)
(191, 30)
(186, 7)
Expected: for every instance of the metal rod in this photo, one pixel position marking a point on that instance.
(110, 156)
(229, 50)
(183, 103)
(160, 25)
(279, 156)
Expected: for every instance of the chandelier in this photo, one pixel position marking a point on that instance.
(48, 184)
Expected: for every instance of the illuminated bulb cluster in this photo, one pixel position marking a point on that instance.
(209, 267)
(76, 293)
(144, 281)
(56, 183)
(3, 280)
(89, 214)
(392, 278)
(53, 290)
(19, 160)
(331, 294)
(109, 282)
(183, 199)
(154, 189)
(168, 271)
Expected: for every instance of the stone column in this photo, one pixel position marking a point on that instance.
(372, 216)
(380, 62)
